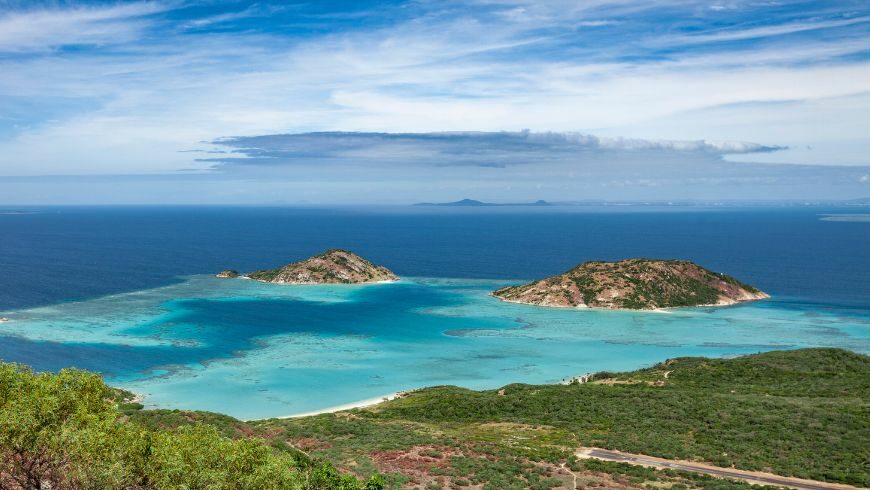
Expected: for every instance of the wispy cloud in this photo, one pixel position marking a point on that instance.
(255, 10)
(131, 84)
(737, 34)
(40, 29)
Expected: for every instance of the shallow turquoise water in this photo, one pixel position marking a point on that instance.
(256, 350)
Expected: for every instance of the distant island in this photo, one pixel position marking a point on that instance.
(633, 284)
(331, 267)
(472, 202)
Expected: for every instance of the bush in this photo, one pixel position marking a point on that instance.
(65, 431)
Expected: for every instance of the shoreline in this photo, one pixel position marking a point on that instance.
(661, 309)
(385, 281)
(368, 402)
(588, 377)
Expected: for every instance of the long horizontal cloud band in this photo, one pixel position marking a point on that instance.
(485, 149)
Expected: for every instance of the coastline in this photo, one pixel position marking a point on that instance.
(367, 283)
(369, 402)
(661, 309)
(612, 334)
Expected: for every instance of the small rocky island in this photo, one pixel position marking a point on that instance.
(633, 284)
(331, 267)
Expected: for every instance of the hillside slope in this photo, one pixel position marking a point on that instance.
(633, 284)
(331, 267)
(803, 413)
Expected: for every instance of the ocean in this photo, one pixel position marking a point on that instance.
(129, 292)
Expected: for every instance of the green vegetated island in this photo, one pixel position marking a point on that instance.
(803, 413)
(635, 284)
(334, 266)
(638, 284)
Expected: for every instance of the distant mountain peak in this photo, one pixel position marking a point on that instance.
(475, 202)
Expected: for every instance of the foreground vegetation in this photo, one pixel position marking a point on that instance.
(802, 413)
(67, 431)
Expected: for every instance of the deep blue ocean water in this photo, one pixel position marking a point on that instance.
(61, 254)
(128, 292)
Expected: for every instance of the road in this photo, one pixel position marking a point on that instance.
(748, 476)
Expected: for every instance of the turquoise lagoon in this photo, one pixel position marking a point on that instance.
(255, 350)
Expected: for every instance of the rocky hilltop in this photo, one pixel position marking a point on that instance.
(635, 284)
(331, 267)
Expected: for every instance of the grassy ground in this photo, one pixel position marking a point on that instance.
(802, 413)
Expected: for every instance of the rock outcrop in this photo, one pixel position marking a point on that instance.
(227, 274)
(635, 284)
(331, 267)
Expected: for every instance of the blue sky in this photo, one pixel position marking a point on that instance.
(393, 102)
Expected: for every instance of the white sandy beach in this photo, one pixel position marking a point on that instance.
(348, 406)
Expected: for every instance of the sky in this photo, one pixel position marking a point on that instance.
(389, 102)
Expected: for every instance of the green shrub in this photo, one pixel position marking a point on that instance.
(65, 431)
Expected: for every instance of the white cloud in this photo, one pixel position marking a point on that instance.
(430, 73)
(730, 34)
(596, 23)
(255, 10)
(44, 29)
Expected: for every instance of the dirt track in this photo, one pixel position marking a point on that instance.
(754, 477)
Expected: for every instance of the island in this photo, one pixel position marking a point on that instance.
(227, 274)
(633, 284)
(476, 203)
(334, 266)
